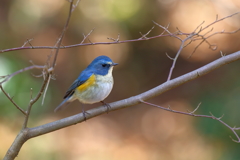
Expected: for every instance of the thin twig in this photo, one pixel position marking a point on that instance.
(233, 129)
(11, 100)
(58, 45)
(34, 100)
(85, 37)
(169, 56)
(8, 77)
(124, 41)
(28, 41)
(218, 20)
(62, 34)
(45, 90)
(144, 36)
(200, 25)
(176, 57)
(166, 30)
(115, 40)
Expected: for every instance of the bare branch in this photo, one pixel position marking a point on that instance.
(175, 59)
(169, 56)
(115, 40)
(223, 32)
(195, 109)
(200, 25)
(8, 77)
(197, 115)
(144, 36)
(132, 40)
(218, 20)
(85, 37)
(11, 100)
(59, 42)
(45, 90)
(28, 41)
(34, 100)
(166, 30)
(75, 5)
(195, 49)
(28, 133)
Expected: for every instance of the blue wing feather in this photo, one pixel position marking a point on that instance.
(83, 77)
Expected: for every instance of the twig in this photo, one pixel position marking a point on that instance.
(62, 34)
(85, 37)
(8, 77)
(218, 20)
(74, 6)
(169, 56)
(115, 40)
(233, 129)
(177, 55)
(127, 41)
(58, 44)
(32, 101)
(223, 32)
(144, 36)
(200, 25)
(166, 30)
(28, 133)
(45, 90)
(28, 41)
(11, 100)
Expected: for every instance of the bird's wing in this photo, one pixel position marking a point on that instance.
(84, 76)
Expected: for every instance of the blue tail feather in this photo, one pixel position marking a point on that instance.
(62, 105)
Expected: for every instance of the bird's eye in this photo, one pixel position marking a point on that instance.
(104, 65)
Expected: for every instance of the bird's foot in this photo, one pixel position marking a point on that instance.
(84, 114)
(106, 105)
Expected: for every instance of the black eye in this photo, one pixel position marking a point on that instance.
(104, 65)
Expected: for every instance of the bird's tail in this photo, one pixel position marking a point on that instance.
(62, 105)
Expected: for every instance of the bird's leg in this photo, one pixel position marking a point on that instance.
(107, 105)
(84, 113)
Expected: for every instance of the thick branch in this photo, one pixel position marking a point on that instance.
(135, 99)
(50, 127)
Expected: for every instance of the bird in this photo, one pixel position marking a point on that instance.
(93, 84)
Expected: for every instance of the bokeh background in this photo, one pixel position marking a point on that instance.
(139, 132)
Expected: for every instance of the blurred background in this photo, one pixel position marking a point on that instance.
(139, 132)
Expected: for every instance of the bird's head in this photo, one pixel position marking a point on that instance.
(102, 65)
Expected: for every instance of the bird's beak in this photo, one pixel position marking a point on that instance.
(114, 64)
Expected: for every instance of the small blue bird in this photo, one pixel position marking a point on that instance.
(93, 85)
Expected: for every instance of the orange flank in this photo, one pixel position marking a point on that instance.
(91, 81)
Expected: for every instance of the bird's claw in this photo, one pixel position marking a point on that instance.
(107, 105)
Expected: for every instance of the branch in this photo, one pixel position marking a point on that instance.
(143, 38)
(11, 100)
(138, 98)
(233, 129)
(59, 42)
(72, 120)
(8, 77)
(85, 37)
(33, 101)
(47, 74)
